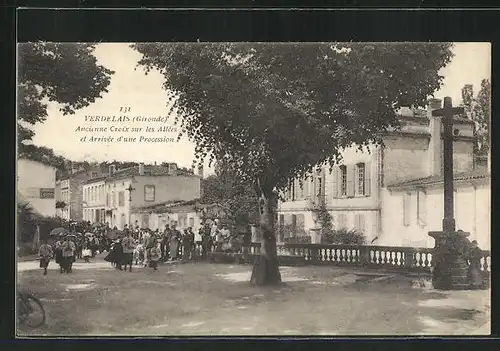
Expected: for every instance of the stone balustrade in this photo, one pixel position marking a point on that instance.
(408, 259)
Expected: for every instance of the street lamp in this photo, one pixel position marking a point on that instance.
(130, 189)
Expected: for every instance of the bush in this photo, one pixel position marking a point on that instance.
(287, 231)
(343, 237)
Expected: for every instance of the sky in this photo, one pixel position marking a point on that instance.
(145, 96)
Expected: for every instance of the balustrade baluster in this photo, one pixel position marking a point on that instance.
(426, 261)
(335, 257)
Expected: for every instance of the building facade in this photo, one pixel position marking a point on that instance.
(356, 192)
(141, 186)
(416, 207)
(63, 199)
(181, 215)
(36, 184)
(94, 200)
(72, 185)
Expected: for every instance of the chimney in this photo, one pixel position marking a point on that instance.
(200, 171)
(112, 170)
(141, 168)
(435, 151)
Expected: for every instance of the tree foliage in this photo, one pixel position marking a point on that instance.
(478, 109)
(56, 72)
(44, 155)
(274, 111)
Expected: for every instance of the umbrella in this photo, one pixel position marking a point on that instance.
(58, 231)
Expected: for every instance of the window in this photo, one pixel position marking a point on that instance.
(343, 180)
(108, 200)
(149, 193)
(302, 189)
(359, 222)
(292, 185)
(360, 168)
(421, 207)
(94, 175)
(300, 222)
(294, 223)
(406, 209)
(191, 222)
(121, 198)
(114, 199)
(342, 221)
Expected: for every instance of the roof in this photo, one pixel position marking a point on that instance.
(149, 170)
(96, 179)
(464, 176)
(176, 207)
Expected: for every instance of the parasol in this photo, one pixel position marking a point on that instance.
(58, 231)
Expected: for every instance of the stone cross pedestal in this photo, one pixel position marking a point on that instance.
(449, 262)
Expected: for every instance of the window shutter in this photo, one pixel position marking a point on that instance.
(368, 181)
(342, 221)
(351, 170)
(423, 207)
(361, 220)
(406, 209)
(300, 221)
(335, 187)
(356, 179)
(312, 191)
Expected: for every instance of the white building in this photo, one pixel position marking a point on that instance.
(94, 200)
(182, 215)
(415, 207)
(36, 185)
(356, 193)
(150, 185)
(63, 199)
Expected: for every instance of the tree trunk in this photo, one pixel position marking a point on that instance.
(265, 270)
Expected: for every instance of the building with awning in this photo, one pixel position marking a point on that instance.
(182, 214)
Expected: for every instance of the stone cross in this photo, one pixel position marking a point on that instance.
(447, 112)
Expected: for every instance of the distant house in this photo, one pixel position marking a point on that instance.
(181, 214)
(363, 192)
(70, 191)
(151, 185)
(36, 183)
(94, 200)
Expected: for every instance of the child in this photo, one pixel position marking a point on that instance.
(154, 257)
(86, 253)
(139, 254)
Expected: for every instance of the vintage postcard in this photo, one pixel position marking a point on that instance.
(228, 189)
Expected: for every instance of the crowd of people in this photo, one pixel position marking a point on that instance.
(142, 246)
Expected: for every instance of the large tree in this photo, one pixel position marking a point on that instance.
(275, 111)
(66, 73)
(479, 110)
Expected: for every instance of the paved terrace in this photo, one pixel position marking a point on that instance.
(216, 299)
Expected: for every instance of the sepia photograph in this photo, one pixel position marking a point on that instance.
(253, 189)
